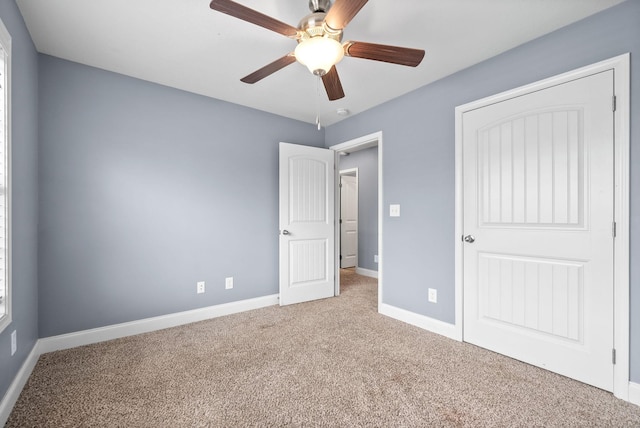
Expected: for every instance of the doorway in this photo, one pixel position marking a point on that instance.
(372, 267)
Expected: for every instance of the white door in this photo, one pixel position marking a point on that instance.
(348, 221)
(306, 223)
(538, 217)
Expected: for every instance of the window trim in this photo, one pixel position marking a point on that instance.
(5, 43)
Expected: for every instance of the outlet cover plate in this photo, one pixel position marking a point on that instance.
(228, 283)
(433, 295)
(200, 287)
(14, 342)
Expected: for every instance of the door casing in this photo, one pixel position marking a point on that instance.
(620, 66)
(371, 140)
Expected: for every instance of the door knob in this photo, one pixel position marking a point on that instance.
(286, 232)
(469, 238)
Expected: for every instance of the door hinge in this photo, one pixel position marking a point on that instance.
(614, 229)
(614, 104)
(613, 356)
(340, 221)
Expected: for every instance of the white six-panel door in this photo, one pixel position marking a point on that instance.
(306, 223)
(538, 217)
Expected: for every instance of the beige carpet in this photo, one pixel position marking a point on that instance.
(329, 363)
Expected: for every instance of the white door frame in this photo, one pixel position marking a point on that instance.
(620, 66)
(361, 143)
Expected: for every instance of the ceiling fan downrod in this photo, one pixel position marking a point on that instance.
(319, 5)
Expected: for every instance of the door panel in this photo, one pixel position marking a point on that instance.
(306, 223)
(538, 199)
(543, 296)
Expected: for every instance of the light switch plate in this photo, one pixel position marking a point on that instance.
(394, 210)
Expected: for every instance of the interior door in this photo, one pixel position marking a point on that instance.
(538, 216)
(307, 241)
(348, 221)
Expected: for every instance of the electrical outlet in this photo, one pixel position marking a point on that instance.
(228, 283)
(433, 295)
(200, 287)
(394, 210)
(14, 342)
(376, 258)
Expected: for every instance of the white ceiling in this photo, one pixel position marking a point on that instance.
(186, 45)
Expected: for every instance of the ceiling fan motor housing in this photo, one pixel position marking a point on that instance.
(313, 31)
(313, 25)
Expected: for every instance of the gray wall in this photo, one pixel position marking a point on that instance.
(367, 163)
(145, 190)
(24, 158)
(419, 156)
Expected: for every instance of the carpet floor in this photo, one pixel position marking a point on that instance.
(333, 362)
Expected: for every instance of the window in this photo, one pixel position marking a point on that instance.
(5, 194)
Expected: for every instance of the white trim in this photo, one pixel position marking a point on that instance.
(367, 272)
(116, 331)
(448, 330)
(622, 208)
(12, 394)
(371, 140)
(431, 324)
(353, 172)
(620, 65)
(5, 41)
(634, 393)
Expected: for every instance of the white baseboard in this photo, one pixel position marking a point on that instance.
(450, 331)
(422, 321)
(367, 272)
(634, 393)
(116, 331)
(87, 337)
(12, 394)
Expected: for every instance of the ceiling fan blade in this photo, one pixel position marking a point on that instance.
(392, 54)
(269, 69)
(246, 14)
(342, 12)
(332, 84)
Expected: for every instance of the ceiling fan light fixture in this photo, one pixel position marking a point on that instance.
(319, 54)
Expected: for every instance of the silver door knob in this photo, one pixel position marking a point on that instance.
(286, 232)
(470, 239)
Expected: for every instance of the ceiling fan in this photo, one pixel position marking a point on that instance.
(319, 37)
